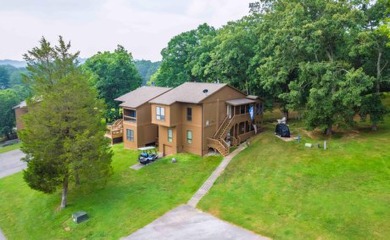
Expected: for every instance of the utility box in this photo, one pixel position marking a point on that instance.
(80, 216)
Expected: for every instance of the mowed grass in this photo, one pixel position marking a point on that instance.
(10, 148)
(286, 191)
(130, 200)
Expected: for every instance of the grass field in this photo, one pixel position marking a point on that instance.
(130, 200)
(286, 191)
(10, 148)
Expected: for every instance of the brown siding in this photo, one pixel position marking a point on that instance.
(144, 131)
(214, 111)
(211, 111)
(19, 112)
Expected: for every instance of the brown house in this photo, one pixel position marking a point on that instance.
(196, 117)
(138, 130)
(20, 110)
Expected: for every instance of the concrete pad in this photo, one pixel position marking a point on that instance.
(10, 163)
(186, 222)
(137, 166)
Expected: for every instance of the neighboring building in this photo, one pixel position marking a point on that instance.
(138, 130)
(195, 117)
(20, 110)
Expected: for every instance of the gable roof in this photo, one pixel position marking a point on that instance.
(189, 92)
(21, 105)
(140, 96)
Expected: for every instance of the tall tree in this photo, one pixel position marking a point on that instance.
(63, 136)
(115, 74)
(8, 99)
(179, 57)
(305, 58)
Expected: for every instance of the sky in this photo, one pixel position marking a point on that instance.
(143, 27)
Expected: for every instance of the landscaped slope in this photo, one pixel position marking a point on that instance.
(130, 200)
(286, 191)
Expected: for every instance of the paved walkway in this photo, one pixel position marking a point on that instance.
(210, 181)
(10, 162)
(186, 222)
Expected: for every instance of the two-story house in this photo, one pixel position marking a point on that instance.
(138, 130)
(196, 117)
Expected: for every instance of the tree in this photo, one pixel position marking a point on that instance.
(115, 75)
(4, 78)
(305, 59)
(179, 57)
(63, 136)
(231, 56)
(8, 99)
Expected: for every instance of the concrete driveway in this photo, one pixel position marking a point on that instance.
(10, 163)
(186, 222)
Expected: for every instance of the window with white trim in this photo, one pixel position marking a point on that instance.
(130, 135)
(160, 113)
(170, 134)
(189, 136)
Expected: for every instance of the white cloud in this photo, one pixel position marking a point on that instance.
(142, 27)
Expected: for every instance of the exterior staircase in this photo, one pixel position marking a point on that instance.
(218, 142)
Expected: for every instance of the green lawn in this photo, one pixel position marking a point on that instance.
(130, 200)
(10, 148)
(286, 191)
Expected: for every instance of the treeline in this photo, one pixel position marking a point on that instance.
(12, 92)
(326, 59)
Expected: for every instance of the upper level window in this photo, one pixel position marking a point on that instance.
(170, 134)
(189, 114)
(130, 115)
(160, 113)
(189, 136)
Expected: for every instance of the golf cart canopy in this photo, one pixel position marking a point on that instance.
(146, 148)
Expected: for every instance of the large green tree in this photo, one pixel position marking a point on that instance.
(305, 59)
(63, 137)
(115, 75)
(180, 56)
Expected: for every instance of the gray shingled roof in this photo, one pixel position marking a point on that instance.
(189, 92)
(140, 96)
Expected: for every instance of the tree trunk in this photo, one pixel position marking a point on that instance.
(374, 127)
(378, 72)
(329, 130)
(285, 114)
(64, 192)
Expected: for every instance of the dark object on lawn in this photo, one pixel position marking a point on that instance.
(79, 217)
(147, 155)
(282, 130)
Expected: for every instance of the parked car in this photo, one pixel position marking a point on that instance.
(147, 155)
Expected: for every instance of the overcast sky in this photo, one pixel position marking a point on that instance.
(143, 27)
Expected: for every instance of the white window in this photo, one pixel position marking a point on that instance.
(130, 135)
(170, 135)
(189, 136)
(160, 113)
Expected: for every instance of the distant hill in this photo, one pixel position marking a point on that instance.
(23, 64)
(146, 69)
(14, 63)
